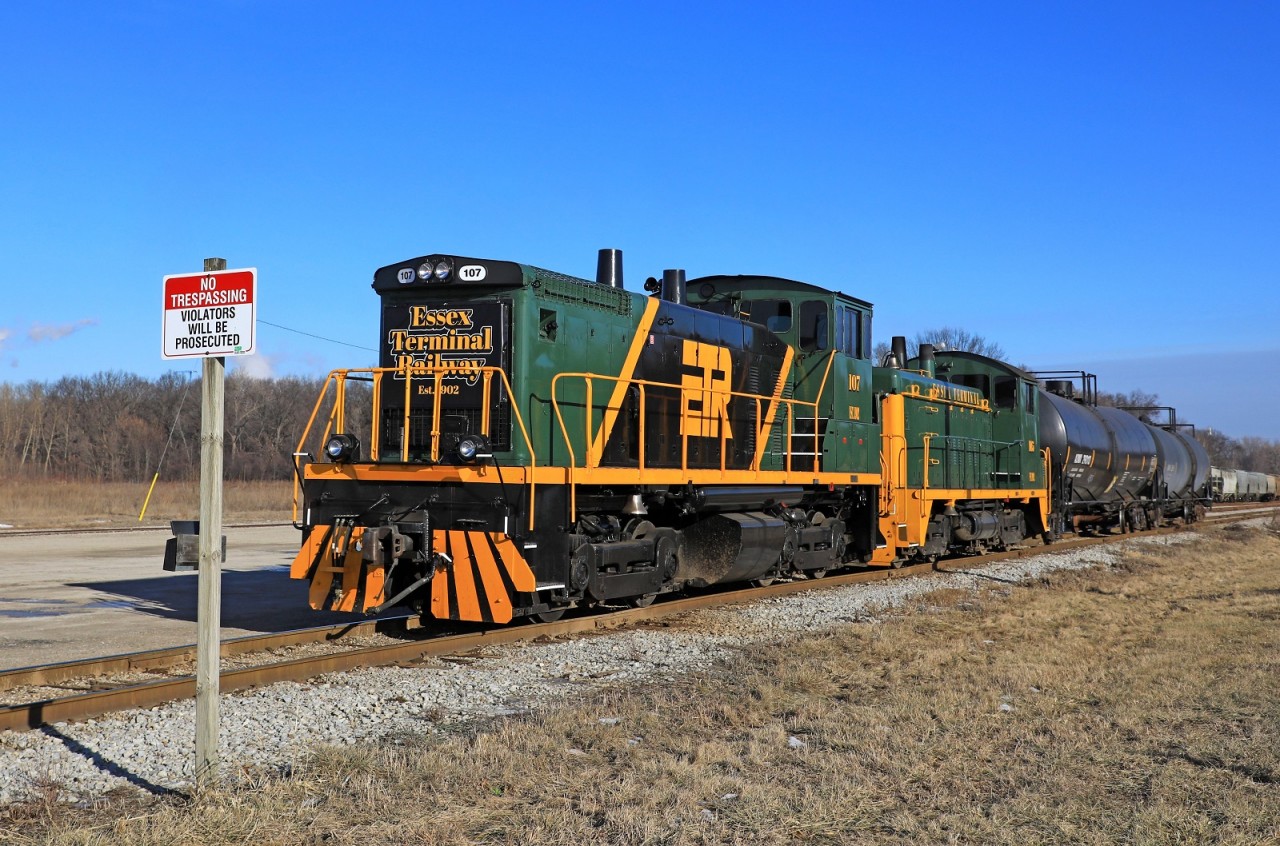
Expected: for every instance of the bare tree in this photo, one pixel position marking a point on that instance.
(1136, 398)
(114, 426)
(1259, 455)
(947, 338)
(1224, 450)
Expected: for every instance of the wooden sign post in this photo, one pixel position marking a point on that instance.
(209, 601)
(210, 315)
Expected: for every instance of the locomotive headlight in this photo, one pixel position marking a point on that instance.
(425, 269)
(342, 448)
(443, 270)
(471, 447)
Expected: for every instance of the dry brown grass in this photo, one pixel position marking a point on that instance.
(32, 504)
(1140, 705)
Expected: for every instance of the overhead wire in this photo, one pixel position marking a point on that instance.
(317, 337)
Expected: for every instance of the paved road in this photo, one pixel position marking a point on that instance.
(64, 597)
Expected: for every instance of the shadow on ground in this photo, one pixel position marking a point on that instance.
(258, 600)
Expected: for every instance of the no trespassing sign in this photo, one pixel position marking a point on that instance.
(210, 313)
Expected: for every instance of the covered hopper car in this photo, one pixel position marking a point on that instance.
(1243, 485)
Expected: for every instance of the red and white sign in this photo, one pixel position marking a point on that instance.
(210, 313)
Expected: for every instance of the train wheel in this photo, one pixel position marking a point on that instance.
(549, 616)
(642, 601)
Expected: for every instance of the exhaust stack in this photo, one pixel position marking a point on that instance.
(673, 286)
(899, 347)
(927, 363)
(609, 268)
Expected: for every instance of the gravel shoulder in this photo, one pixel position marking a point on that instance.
(278, 726)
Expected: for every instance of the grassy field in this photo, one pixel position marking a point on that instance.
(1136, 705)
(43, 504)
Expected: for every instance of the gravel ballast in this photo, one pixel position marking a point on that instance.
(278, 725)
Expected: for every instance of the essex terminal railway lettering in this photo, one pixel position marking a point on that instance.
(418, 353)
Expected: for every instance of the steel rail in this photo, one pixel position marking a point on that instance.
(148, 694)
(107, 530)
(48, 675)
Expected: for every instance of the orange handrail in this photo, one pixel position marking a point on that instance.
(591, 457)
(336, 419)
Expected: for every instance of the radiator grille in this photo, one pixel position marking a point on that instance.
(557, 286)
(457, 421)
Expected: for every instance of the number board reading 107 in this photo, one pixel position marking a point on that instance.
(210, 314)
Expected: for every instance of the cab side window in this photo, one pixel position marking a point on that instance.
(815, 328)
(774, 315)
(849, 332)
(1006, 392)
(977, 381)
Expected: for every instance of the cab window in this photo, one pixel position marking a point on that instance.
(774, 315)
(849, 332)
(815, 327)
(977, 381)
(1006, 392)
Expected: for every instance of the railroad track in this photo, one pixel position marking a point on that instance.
(124, 530)
(411, 649)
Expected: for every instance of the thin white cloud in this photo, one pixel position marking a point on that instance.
(50, 332)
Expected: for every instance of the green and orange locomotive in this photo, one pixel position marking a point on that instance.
(532, 442)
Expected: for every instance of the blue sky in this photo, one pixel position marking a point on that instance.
(1092, 185)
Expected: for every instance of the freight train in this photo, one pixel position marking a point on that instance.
(532, 442)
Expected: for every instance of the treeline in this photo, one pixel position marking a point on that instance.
(1257, 454)
(114, 427)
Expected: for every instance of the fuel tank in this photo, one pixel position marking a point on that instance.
(730, 547)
